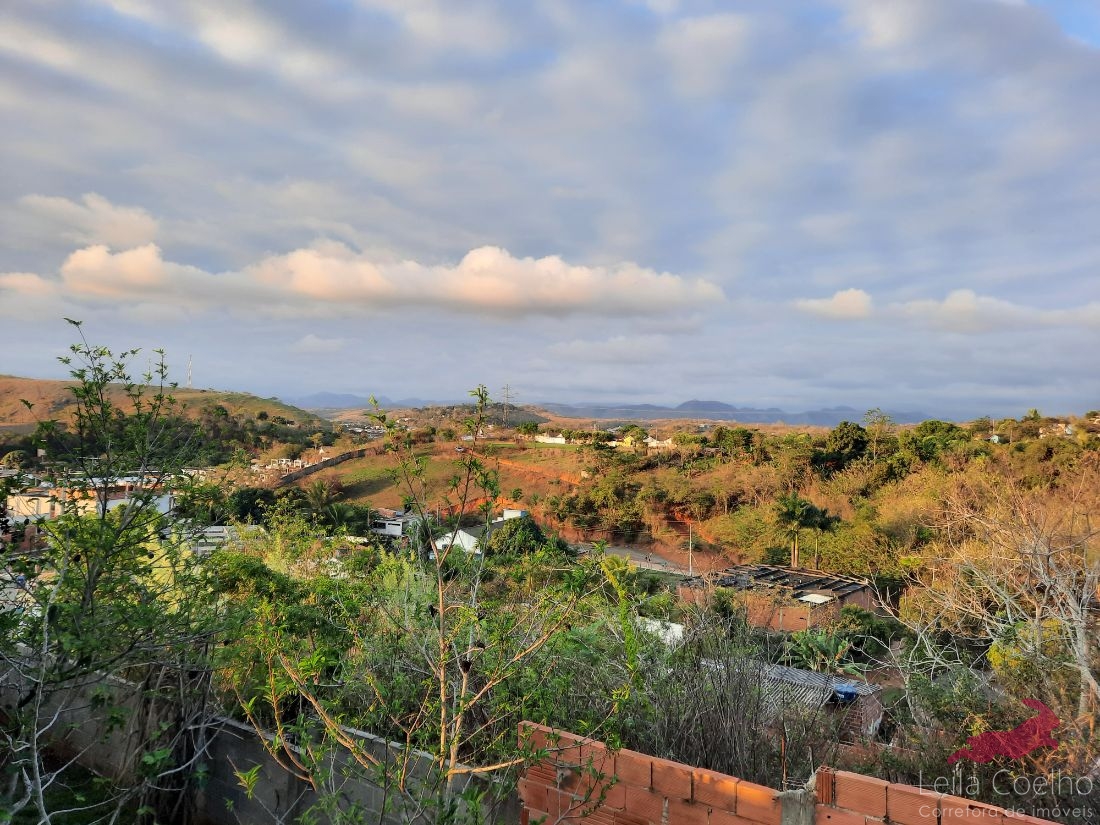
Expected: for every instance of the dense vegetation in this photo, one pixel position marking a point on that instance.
(985, 551)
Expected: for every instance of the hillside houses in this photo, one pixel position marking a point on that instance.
(48, 502)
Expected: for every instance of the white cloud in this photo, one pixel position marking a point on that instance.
(847, 304)
(907, 148)
(26, 295)
(965, 311)
(661, 7)
(92, 220)
(26, 283)
(487, 280)
(331, 279)
(27, 42)
(139, 273)
(962, 311)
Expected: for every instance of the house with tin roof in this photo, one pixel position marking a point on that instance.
(785, 598)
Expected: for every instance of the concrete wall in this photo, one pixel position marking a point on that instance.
(581, 780)
(324, 465)
(380, 801)
(278, 796)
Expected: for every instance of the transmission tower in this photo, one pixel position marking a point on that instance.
(188, 372)
(507, 397)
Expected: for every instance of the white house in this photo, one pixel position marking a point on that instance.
(392, 523)
(100, 495)
(471, 539)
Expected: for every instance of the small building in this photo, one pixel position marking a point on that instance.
(1057, 429)
(392, 523)
(469, 539)
(550, 439)
(785, 598)
(472, 539)
(853, 702)
(856, 703)
(48, 502)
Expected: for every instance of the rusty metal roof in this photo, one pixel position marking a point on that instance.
(799, 581)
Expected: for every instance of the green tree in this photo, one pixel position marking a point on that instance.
(820, 650)
(111, 626)
(434, 658)
(846, 442)
(880, 430)
(319, 495)
(14, 459)
(820, 520)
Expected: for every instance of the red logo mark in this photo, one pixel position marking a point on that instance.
(1020, 741)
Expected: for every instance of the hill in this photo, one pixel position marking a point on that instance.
(52, 399)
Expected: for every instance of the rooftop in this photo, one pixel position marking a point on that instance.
(804, 584)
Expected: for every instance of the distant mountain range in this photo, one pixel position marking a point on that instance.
(720, 411)
(714, 410)
(347, 401)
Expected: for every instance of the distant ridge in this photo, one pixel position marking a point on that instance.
(695, 408)
(348, 401)
(331, 401)
(720, 411)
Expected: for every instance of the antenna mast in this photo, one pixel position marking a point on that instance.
(188, 372)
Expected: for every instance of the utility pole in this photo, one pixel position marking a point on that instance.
(507, 397)
(690, 573)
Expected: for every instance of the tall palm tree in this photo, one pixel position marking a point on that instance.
(793, 513)
(338, 515)
(319, 495)
(823, 521)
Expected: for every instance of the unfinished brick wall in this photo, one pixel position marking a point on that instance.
(845, 798)
(582, 781)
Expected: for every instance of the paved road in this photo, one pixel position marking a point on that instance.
(644, 558)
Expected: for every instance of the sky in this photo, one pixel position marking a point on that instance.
(802, 204)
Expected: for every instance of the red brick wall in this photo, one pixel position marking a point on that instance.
(582, 781)
(766, 610)
(693, 595)
(853, 799)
